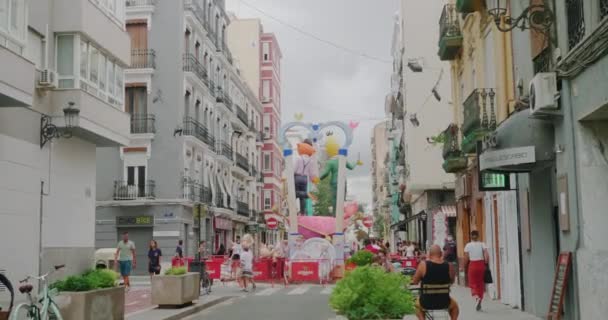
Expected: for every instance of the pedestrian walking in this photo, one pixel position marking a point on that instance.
(125, 258)
(450, 253)
(179, 250)
(475, 259)
(247, 268)
(154, 257)
(221, 251)
(410, 249)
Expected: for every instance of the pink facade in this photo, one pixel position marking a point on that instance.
(270, 95)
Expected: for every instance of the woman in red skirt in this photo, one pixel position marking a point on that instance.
(475, 258)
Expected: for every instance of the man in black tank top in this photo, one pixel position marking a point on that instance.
(435, 277)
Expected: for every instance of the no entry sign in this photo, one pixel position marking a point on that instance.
(272, 223)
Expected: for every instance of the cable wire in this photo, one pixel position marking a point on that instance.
(310, 35)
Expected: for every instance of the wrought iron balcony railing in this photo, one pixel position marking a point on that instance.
(223, 97)
(219, 199)
(576, 22)
(195, 191)
(242, 162)
(241, 114)
(139, 3)
(479, 117)
(191, 64)
(143, 59)
(227, 151)
(124, 190)
(450, 36)
(454, 159)
(143, 123)
(242, 209)
(197, 130)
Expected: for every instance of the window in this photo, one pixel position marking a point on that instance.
(603, 8)
(81, 65)
(267, 199)
(136, 100)
(267, 164)
(266, 51)
(576, 22)
(65, 61)
(115, 8)
(266, 89)
(13, 23)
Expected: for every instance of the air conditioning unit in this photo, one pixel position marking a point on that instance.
(48, 79)
(544, 93)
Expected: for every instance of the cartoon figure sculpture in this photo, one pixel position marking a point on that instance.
(331, 167)
(305, 170)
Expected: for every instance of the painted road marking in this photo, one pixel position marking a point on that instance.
(299, 290)
(327, 290)
(267, 292)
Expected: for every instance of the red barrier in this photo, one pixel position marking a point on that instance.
(305, 271)
(261, 269)
(214, 269)
(409, 263)
(177, 262)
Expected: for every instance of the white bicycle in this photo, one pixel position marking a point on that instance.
(41, 308)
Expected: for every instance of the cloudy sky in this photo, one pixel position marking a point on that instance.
(326, 83)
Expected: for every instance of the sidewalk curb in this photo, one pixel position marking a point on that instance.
(198, 308)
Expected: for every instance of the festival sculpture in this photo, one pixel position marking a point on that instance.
(305, 170)
(332, 166)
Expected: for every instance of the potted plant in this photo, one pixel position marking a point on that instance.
(359, 259)
(371, 293)
(176, 287)
(91, 295)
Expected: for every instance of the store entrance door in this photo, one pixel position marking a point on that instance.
(141, 238)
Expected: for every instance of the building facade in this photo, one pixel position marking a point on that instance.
(61, 97)
(423, 197)
(538, 135)
(259, 58)
(190, 169)
(380, 148)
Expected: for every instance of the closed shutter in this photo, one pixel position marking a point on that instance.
(138, 31)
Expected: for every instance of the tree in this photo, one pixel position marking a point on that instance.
(323, 199)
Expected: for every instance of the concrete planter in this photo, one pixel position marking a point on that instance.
(102, 304)
(175, 290)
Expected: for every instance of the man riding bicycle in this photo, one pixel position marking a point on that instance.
(435, 277)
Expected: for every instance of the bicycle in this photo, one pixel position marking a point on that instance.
(7, 284)
(43, 308)
(206, 281)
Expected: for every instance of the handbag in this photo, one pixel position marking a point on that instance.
(487, 275)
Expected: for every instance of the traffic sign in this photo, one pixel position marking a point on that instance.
(368, 222)
(272, 223)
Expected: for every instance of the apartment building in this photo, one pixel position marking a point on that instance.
(380, 148)
(259, 58)
(61, 97)
(190, 168)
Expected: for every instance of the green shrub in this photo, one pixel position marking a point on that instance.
(362, 258)
(175, 271)
(371, 293)
(90, 280)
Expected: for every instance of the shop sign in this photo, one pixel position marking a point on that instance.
(506, 157)
(141, 221)
(223, 224)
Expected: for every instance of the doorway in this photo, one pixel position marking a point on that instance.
(141, 238)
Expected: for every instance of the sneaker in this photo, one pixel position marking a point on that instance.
(478, 304)
(245, 290)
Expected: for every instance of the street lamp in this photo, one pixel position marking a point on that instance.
(423, 216)
(49, 131)
(536, 16)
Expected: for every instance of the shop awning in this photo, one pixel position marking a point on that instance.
(449, 211)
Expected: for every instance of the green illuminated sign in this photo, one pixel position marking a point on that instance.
(494, 181)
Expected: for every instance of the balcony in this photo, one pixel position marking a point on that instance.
(16, 80)
(191, 64)
(195, 191)
(252, 127)
(143, 59)
(224, 48)
(219, 199)
(242, 162)
(143, 123)
(223, 97)
(129, 191)
(140, 3)
(197, 130)
(197, 10)
(450, 37)
(242, 209)
(479, 118)
(469, 6)
(242, 115)
(227, 151)
(454, 160)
